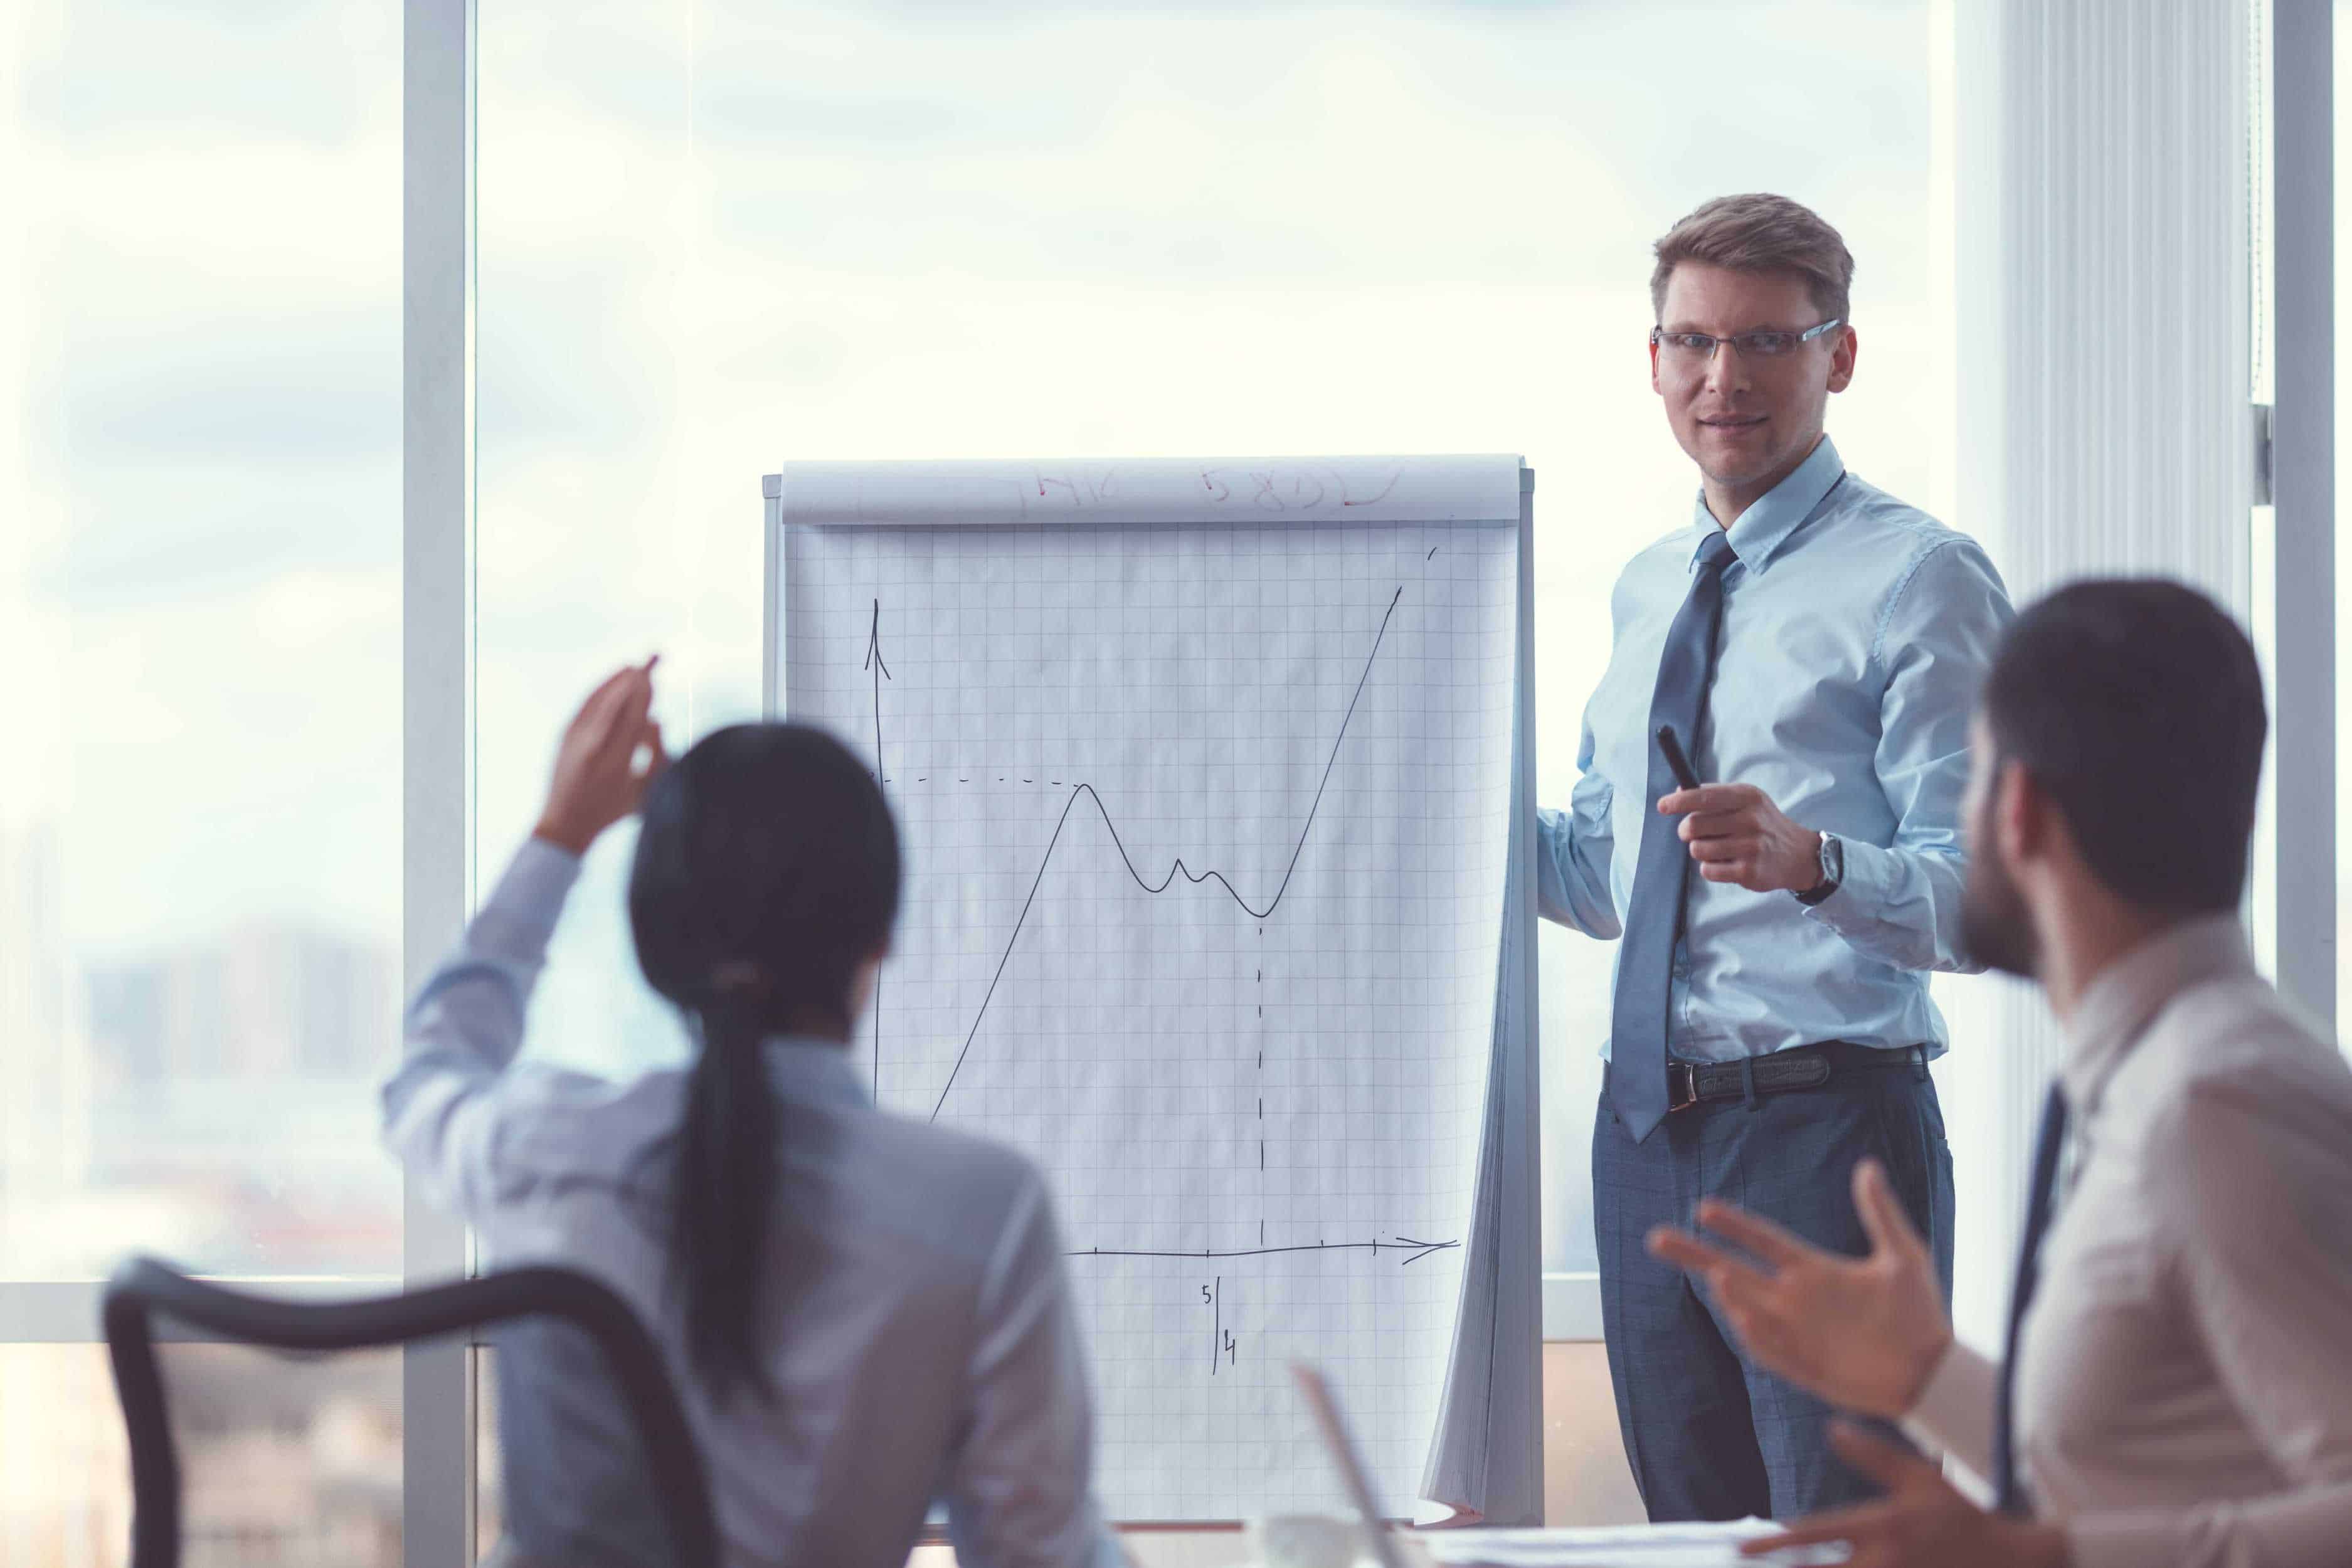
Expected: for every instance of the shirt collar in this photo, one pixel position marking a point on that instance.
(815, 1071)
(2126, 995)
(1760, 531)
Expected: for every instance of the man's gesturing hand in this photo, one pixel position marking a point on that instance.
(1864, 1333)
(1737, 835)
(1921, 1523)
(599, 777)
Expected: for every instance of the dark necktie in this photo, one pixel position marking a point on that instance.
(2009, 1494)
(1653, 915)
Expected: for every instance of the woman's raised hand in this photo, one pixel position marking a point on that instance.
(610, 753)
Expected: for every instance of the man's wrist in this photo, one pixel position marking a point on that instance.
(1930, 1360)
(1829, 870)
(563, 836)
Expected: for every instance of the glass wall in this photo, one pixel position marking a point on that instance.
(715, 235)
(200, 598)
(200, 825)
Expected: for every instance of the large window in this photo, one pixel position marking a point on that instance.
(715, 235)
(200, 617)
(718, 236)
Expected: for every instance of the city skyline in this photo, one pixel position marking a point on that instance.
(213, 1099)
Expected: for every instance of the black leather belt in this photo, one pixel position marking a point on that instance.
(1781, 1072)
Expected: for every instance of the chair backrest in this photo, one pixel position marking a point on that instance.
(574, 1323)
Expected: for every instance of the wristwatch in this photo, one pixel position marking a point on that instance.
(1832, 870)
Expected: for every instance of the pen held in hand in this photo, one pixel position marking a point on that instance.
(1680, 763)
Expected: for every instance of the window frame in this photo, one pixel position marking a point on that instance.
(437, 276)
(2302, 465)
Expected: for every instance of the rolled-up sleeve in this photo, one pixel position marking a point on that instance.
(440, 1106)
(1899, 902)
(1574, 851)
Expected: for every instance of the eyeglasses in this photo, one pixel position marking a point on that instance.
(1691, 350)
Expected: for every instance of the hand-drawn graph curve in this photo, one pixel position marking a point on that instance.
(1087, 792)
(1205, 829)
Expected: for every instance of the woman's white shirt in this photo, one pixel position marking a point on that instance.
(917, 1329)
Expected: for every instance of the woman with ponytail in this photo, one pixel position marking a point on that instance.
(864, 1314)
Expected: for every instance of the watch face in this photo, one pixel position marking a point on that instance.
(1832, 860)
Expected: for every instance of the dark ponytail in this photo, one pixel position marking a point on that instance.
(725, 1189)
(766, 876)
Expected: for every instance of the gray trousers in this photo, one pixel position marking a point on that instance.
(1710, 1436)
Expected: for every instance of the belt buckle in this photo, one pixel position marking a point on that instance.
(1682, 1086)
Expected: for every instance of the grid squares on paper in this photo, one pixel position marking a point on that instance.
(1241, 1083)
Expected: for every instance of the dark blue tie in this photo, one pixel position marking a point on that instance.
(1653, 915)
(2009, 1494)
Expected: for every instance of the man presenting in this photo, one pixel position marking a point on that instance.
(1814, 646)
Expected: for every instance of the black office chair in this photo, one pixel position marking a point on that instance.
(577, 1329)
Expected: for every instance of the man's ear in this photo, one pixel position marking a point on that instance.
(1842, 357)
(2021, 812)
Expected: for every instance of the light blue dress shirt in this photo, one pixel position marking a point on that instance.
(919, 1331)
(1856, 631)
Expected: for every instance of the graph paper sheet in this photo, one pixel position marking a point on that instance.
(1205, 807)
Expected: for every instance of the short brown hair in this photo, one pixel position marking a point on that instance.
(1759, 233)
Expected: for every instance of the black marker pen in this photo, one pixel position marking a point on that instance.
(1675, 758)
